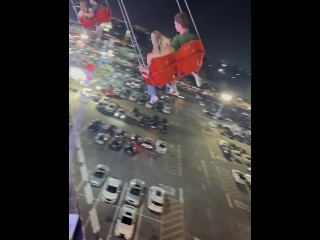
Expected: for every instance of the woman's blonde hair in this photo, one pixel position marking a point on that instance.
(161, 44)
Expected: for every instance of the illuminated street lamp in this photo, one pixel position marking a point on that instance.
(225, 98)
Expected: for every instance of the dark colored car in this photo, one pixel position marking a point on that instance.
(96, 97)
(109, 129)
(95, 125)
(131, 148)
(142, 99)
(226, 152)
(135, 112)
(145, 121)
(120, 133)
(116, 143)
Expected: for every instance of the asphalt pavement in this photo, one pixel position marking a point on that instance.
(203, 200)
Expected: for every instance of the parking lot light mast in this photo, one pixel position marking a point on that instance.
(225, 98)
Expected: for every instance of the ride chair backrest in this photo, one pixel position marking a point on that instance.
(162, 70)
(91, 23)
(189, 58)
(103, 15)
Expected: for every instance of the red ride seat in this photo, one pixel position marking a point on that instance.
(103, 15)
(91, 23)
(161, 70)
(189, 58)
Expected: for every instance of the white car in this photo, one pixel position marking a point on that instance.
(147, 143)
(112, 191)
(126, 221)
(238, 177)
(111, 107)
(202, 104)
(116, 91)
(222, 143)
(236, 155)
(166, 109)
(120, 113)
(86, 91)
(103, 101)
(212, 124)
(148, 104)
(156, 199)
(247, 159)
(102, 139)
(205, 110)
(161, 147)
(248, 179)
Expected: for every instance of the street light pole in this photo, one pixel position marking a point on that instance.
(218, 114)
(224, 98)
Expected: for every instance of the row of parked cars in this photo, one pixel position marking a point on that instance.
(234, 153)
(116, 139)
(128, 214)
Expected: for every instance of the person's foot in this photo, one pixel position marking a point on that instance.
(198, 80)
(153, 99)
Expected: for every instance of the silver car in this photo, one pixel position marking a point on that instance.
(135, 192)
(98, 177)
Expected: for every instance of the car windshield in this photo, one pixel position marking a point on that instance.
(161, 145)
(135, 191)
(157, 204)
(98, 174)
(126, 220)
(111, 189)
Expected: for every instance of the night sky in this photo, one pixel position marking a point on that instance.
(224, 26)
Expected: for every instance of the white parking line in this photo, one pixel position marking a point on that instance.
(84, 172)
(206, 173)
(181, 195)
(150, 161)
(120, 152)
(117, 211)
(94, 220)
(209, 213)
(135, 157)
(88, 193)
(80, 185)
(139, 223)
(80, 155)
(229, 200)
(100, 193)
(78, 142)
(203, 187)
(150, 218)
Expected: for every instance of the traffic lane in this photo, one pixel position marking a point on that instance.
(207, 204)
(197, 191)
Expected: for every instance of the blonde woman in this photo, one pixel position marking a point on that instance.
(161, 47)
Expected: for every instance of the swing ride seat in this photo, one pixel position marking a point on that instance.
(189, 58)
(161, 70)
(103, 16)
(91, 23)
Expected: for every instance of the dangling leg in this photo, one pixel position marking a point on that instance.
(197, 78)
(153, 93)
